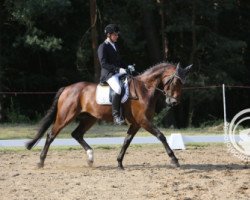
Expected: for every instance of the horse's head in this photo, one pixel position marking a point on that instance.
(172, 81)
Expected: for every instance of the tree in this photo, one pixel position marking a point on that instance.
(93, 20)
(49, 44)
(150, 30)
(164, 39)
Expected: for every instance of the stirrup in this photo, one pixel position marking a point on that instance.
(119, 121)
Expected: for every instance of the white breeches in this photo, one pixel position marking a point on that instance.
(114, 83)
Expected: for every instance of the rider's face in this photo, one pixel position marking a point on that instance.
(114, 37)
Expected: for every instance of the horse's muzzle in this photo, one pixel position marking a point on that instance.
(171, 101)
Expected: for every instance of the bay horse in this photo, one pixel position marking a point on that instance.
(78, 101)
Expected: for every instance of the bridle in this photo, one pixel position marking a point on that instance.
(168, 81)
(180, 74)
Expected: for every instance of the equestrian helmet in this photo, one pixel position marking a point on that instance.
(111, 28)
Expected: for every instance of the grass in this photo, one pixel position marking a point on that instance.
(20, 131)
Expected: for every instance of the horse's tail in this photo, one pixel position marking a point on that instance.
(46, 121)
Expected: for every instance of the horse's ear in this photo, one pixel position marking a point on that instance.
(187, 69)
(178, 66)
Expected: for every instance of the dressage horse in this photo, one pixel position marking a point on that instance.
(78, 101)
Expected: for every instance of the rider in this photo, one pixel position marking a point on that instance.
(111, 68)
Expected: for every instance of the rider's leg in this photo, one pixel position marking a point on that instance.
(116, 100)
(116, 104)
(114, 83)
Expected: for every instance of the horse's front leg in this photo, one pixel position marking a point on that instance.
(130, 135)
(156, 132)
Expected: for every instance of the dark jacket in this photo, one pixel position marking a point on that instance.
(110, 61)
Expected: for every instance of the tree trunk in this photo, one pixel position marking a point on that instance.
(194, 42)
(164, 39)
(1, 114)
(1, 97)
(93, 19)
(192, 55)
(151, 33)
(2, 20)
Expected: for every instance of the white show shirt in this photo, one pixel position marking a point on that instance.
(110, 42)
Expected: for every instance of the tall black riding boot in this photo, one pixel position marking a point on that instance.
(116, 103)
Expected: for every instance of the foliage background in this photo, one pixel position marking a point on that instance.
(47, 44)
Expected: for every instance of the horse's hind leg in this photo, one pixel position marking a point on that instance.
(51, 135)
(49, 140)
(60, 123)
(85, 124)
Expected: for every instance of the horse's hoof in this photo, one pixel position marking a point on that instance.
(90, 160)
(175, 163)
(90, 163)
(40, 165)
(120, 167)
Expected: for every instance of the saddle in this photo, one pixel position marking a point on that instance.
(104, 92)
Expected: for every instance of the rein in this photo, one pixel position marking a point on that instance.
(165, 82)
(162, 91)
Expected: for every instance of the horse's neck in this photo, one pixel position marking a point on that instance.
(151, 80)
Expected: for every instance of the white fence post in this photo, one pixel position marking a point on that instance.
(224, 108)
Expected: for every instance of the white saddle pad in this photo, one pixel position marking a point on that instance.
(102, 94)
